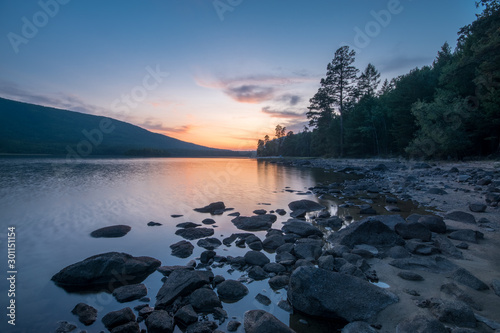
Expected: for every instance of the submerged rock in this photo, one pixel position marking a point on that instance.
(105, 270)
(328, 294)
(211, 208)
(113, 231)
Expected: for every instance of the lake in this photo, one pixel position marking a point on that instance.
(55, 205)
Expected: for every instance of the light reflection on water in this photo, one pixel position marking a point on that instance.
(55, 206)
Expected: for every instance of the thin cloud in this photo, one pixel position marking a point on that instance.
(250, 93)
(289, 99)
(158, 126)
(281, 113)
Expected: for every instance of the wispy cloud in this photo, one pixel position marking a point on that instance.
(250, 93)
(153, 125)
(290, 99)
(281, 113)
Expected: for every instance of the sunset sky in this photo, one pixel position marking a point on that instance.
(218, 73)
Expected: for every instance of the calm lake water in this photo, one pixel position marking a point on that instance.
(54, 207)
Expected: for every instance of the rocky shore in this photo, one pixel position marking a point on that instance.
(435, 270)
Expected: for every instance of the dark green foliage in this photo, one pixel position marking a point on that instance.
(450, 109)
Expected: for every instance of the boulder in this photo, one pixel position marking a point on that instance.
(461, 217)
(231, 290)
(182, 249)
(453, 312)
(263, 299)
(105, 270)
(260, 321)
(208, 221)
(274, 267)
(279, 281)
(421, 324)
(87, 314)
(117, 318)
(202, 327)
(232, 326)
(465, 277)
(333, 222)
(256, 258)
(181, 283)
(388, 220)
(301, 228)
(209, 243)
(195, 233)
(435, 190)
(130, 292)
(318, 292)
(113, 231)
(204, 300)
(429, 264)
(307, 248)
(447, 247)
(307, 205)
(254, 223)
(271, 243)
(433, 223)
(454, 291)
(413, 230)
(477, 207)
(160, 321)
(358, 327)
(257, 273)
(186, 225)
(65, 327)
(186, 315)
(371, 232)
(466, 235)
(211, 208)
(410, 276)
(130, 327)
(167, 270)
(153, 224)
(260, 211)
(367, 210)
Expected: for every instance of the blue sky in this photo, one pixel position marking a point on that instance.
(220, 73)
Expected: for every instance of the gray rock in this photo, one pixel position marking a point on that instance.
(453, 312)
(202, 327)
(206, 256)
(260, 211)
(257, 273)
(430, 264)
(130, 327)
(145, 311)
(307, 205)
(204, 300)
(446, 247)
(87, 314)
(398, 252)
(301, 228)
(461, 217)
(367, 210)
(466, 235)
(130, 292)
(463, 178)
(477, 207)
(160, 321)
(263, 299)
(420, 248)
(181, 283)
(333, 222)
(358, 327)
(371, 232)
(208, 221)
(195, 233)
(256, 258)
(391, 208)
(413, 230)
(323, 293)
(211, 208)
(117, 318)
(231, 290)
(187, 225)
(285, 258)
(421, 324)
(182, 249)
(254, 223)
(260, 321)
(105, 269)
(307, 248)
(279, 281)
(298, 214)
(454, 291)
(186, 315)
(113, 231)
(388, 220)
(209, 243)
(167, 270)
(410, 276)
(271, 243)
(465, 277)
(233, 325)
(326, 262)
(274, 267)
(280, 212)
(65, 327)
(433, 223)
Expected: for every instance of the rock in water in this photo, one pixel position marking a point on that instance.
(86, 313)
(307, 205)
(369, 231)
(232, 290)
(105, 270)
(182, 249)
(160, 321)
(130, 292)
(113, 231)
(318, 292)
(301, 228)
(254, 223)
(211, 208)
(118, 318)
(260, 321)
(195, 233)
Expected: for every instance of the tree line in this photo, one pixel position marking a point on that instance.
(449, 109)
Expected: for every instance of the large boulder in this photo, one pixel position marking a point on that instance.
(260, 321)
(453, 312)
(181, 283)
(231, 290)
(322, 293)
(433, 223)
(307, 205)
(413, 230)
(160, 321)
(465, 277)
(301, 228)
(113, 231)
(212, 208)
(106, 270)
(254, 223)
(371, 232)
(307, 248)
(204, 300)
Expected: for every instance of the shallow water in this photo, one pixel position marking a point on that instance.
(55, 206)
